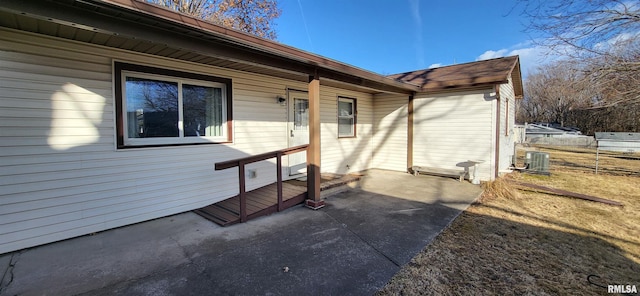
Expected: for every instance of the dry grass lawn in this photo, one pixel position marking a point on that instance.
(517, 242)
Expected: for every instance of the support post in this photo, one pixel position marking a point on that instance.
(242, 196)
(597, 158)
(313, 152)
(410, 133)
(496, 165)
(279, 179)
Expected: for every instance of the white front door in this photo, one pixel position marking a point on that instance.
(298, 130)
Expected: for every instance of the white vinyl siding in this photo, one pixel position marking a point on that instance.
(507, 123)
(60, 173)
(344, 155)
(390, 140)
(452, 128)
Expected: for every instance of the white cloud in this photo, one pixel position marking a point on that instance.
(490, 54)
(617, 42)
(626, 6)
(414, 6)
(531, 55)
(415, 11)
(436, 65)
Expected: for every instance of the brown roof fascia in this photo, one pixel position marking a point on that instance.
(464, 83)
(257, 43)
(516, 78)
(458, 88)
(441, 82)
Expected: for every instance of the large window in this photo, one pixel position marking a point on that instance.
(164, 107)
(346, 117)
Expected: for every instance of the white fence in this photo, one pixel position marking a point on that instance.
(582, 142)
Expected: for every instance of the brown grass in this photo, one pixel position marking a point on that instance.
(528, 243)
(499, 189)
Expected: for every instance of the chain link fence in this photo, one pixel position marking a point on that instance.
(584, 159)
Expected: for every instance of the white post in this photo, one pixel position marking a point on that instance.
(475, 178)
(597, 155)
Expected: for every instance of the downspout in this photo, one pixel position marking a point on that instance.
(497, 158)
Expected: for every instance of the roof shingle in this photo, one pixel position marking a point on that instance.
(494, 71)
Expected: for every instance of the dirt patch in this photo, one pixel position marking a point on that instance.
(530, 243)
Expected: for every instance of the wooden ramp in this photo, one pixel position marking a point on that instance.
(260, 202)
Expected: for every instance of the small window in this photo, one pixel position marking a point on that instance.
(346, 117)
(301, 114)
(159, 107)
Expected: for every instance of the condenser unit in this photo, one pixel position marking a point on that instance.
(537, 162)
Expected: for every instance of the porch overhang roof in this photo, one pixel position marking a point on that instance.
(139, 26)
(468, 75)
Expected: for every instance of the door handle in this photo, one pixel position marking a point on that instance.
(292, 133)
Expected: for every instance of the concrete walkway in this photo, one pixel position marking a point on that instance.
(353, 246)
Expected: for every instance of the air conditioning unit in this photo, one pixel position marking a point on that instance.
(537, 162)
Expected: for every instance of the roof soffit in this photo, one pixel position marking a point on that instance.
(139, 20)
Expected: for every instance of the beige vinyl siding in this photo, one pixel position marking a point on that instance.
(344, 155)
(452, 128)
(390, 126)
(60, 173)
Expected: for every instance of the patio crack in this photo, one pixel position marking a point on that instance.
(8, 276)
(364, 240)
(185, 253)
(126, 284)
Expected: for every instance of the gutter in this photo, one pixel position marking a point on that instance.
(136, 19)
(263, 45)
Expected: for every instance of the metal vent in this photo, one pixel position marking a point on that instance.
(537, 161)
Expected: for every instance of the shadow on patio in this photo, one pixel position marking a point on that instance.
(352, 246)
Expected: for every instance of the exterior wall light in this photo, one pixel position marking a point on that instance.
(282, 101)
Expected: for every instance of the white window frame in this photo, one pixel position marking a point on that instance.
(353, 116)
(181, 139)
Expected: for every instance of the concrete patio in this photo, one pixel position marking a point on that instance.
(352, 246)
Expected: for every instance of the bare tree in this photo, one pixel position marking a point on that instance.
(601, 36)
(618, 118)
(251, 16)
(557, 93)
(552, 92)
(617, 77)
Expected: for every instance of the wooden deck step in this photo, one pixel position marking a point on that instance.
(216, 214)
(260, 202)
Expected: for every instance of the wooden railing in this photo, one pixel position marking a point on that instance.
(241, 162)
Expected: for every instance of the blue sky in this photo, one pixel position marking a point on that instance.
(393, 36)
